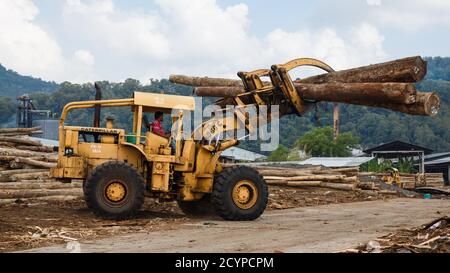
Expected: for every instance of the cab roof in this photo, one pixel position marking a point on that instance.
(162, 102)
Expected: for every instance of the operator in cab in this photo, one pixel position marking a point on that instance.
(156, 126)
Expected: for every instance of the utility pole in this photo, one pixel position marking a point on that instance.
(336, 120)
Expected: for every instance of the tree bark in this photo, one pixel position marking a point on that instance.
(20, 134)
(38, 185)
(403, 93)
(334, 92)
(18, 140)
(427, 104)
(29, 176)
(19, 130)
(23, 153)
(10, 194)
(56, 198)
(337, 178)
(283, 173)
(42, 149)
(407, 70)
(205, 81)
(5, 175)
(35, 163)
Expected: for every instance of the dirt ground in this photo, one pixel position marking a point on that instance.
(325, 228)
(25, 226)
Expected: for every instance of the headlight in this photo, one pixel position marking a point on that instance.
(68, 151)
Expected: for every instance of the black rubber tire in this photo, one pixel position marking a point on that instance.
(95, 187)
(222, 194)
(200, 208)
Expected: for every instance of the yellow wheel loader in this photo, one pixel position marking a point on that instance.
(120, 168)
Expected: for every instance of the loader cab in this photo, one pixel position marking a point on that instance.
(144, 110)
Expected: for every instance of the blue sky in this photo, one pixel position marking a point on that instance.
(86, 40)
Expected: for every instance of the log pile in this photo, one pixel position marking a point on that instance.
(408, 180)
(25, 169)
(387, 85)
(344, 179)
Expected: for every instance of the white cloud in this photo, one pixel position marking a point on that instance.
(25, 46)
(412, 15)
(200, 37)
(29, 49)
(181, 36)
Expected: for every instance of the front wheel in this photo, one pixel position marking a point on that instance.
(240, 194)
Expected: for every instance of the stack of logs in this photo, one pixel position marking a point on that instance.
(408, 180)
(25, 169)
(387, 85)
(345, 179)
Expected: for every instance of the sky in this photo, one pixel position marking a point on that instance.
(87, 40)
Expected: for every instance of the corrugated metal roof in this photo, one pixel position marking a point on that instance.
(335, 162)
(437, 155)
(439, 161)
(239, 154)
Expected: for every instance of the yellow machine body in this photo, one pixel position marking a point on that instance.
(192, 166)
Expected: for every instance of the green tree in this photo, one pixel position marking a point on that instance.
(280, 154)
(7, 109)
(321, 142)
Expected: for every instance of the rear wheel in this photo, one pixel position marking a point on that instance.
(240, 194)
(114, 190)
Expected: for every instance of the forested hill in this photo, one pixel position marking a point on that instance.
(372, 126)
(13, 84)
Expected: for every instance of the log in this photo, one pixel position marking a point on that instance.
(21, 134)
(56, 198)
(19, 130)
(338, 178)
(7, 144)
(342, 187)
(319, 184)
(5, 175)
(7, 158)
(35, 163)
(43, 149)
(304, 184)
(10, 194)
(333, 92)
(427, 104)
(205, 81)
(23, 153)
(29, 176)
(219, 91)
(407, 70)
(283, 173)
(403, 93)
(294, 183)
(38, 185)
(19, 140)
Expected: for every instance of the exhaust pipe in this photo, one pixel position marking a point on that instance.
(98, 96)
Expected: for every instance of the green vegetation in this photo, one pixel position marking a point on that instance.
(280, 154)
(6, 109)
(12, 84)
(371, 126)
(320, 142)
(404, 165)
